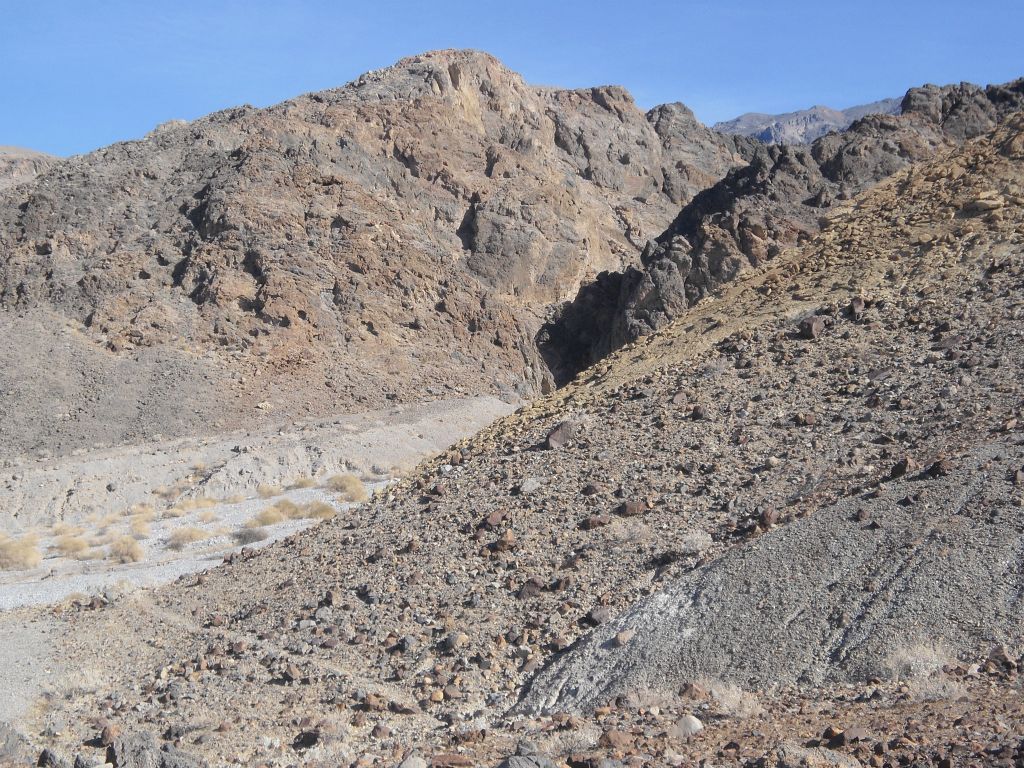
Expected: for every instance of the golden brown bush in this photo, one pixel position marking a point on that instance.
(19, 553)
(348, 486)
(125, 550)
(182, 537)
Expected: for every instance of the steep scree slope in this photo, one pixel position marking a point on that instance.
(814, 445)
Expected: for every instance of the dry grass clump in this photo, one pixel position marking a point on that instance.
(167, 493)
(139, 528)
(125, 550)
(191, 505)
(266, 516)
(917, 660)
(66, 529)
(288, 509)
(348, 486)
(268, 491)
(234, 499)
(318, 510)
(145, 511)
(107, 521)
(207, 516)
(249, 535)
(19, 553)
(70, 545)
(302, 482)
(733, 701)
(182, 537)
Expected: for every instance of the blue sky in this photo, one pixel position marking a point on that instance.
(79, 75)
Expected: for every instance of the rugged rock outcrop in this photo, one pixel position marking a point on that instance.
(385, 240)
(811, 481)
(774, 202)
(18, 165)
(805, 125)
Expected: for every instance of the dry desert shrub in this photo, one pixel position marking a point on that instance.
(70, 545)
(168, 493)
(125, 550)
(917, 660)
(66, 529)
(938, 687)
(302, 482)
(348, 486)
(733, 701)
(139, 528)
(93, 553)
(144, 511)
(318, 510)
(267, 516)
(182, 537)
(19, 553)
(268, 491)
(208, 516)
(191, 505)
(287, 508)
(237, 498)
(249, 535)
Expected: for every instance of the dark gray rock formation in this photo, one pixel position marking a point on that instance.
(759, 209)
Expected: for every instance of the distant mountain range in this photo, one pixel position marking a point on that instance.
(805, 125)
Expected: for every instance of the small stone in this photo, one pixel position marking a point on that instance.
(622, 638)
(811, 327)
(413, 761)
(595, 521)
(380, 731)
(615, 739)
(109, 734)
(904, 466)
(560, 436)
(940, 468)
(686, 727)
(631, 508)
(455, 640)
(599, 615)
(530, 485)
(700, 413)
(856, 308)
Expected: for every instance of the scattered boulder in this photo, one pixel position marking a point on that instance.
(561, 435)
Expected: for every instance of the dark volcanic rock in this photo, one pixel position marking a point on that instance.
(756, 211)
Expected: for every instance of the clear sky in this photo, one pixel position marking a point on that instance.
(76, 75)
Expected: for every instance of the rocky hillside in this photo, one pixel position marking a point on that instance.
(773, 203)
(397, 238)
(805, 125)
(18, 165)
(784, 530)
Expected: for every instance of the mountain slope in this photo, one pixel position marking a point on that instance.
(756, 212)
(805, 125)
(874, 372)
(18, 165)
(391, 239)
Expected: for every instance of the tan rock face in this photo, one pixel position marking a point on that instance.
(408, 227)
(18, 165)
